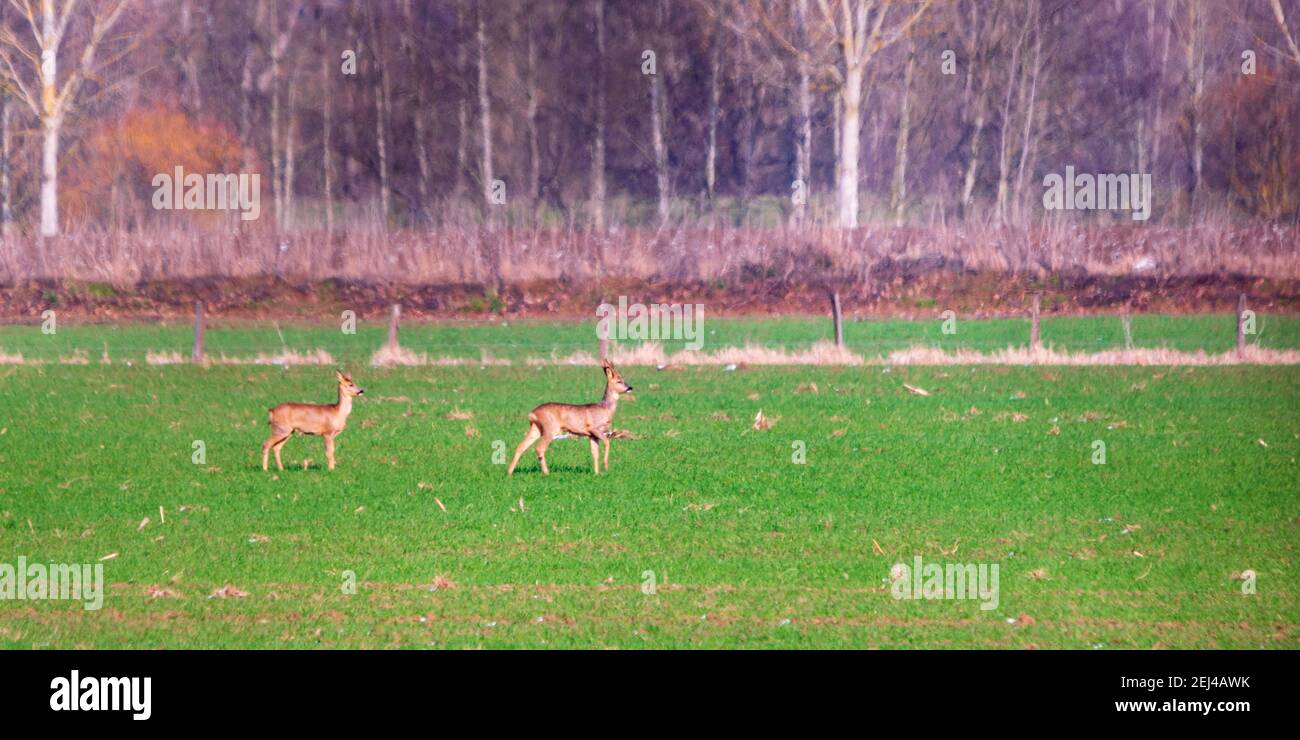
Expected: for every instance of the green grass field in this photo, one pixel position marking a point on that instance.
(516, 340)
(747, 547)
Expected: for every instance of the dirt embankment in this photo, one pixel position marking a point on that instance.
(916, 289)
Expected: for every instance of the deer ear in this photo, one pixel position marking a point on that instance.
(605, 363)
(339, 374)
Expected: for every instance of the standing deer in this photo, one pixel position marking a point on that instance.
(592, 420)
(325, 419)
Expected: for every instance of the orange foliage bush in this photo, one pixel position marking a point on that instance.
(111, 182)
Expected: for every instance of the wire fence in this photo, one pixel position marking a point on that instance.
(356, 342)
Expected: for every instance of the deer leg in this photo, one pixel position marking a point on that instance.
(606, 454)
(329, 450)
(595, 455)
(276, 447)
(277, 435)
(541, 452)
(532, 436)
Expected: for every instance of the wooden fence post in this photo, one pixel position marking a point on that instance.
(1241, 329)
(839, 320)
(602, 330)
(393, 320)
(197, 354)
(1127, 321)
(1033, 327)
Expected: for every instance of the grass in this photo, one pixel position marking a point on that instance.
(747, 548)
(518, 340)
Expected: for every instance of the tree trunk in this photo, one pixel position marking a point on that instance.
(418, 115)
(1004, 133)
(711, 155)
(381, 125)
(1196, 91)
(50, 178)
(51, 123)
(190, 64)
(598, 147)
(850, 135)
(6, 148)
(277, 166)
(530, 115)
(898, 193)
(327, 161)
(290, 152)
(973, 158)
(462, 111)
(803, 120)
(1017, 199)
(485, 113)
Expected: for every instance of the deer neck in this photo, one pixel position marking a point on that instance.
(344, 406)
(610, 401)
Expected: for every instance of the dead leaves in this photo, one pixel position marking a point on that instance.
(916, 391)
(762, 422)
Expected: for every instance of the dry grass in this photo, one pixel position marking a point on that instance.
(15, 358)
(400, 356)
(164, 358)
(826, 353)
(284, 357)
(1042, 356)
(456, 255)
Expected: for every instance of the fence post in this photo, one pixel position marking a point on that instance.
(393, 320)
(839, 320)
(1033, 327)
(602, 330)
(197, 354)
(1127, 321)
(1241, 329)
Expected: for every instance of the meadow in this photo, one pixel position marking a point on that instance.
(706, 532)
(516, 341)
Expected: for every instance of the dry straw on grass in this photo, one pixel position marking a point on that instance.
(1042, 356)
(284, 357)
(387, 356)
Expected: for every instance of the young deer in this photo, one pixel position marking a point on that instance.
(591, 420)
(325, 419)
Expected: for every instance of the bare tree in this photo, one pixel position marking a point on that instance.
(37, 83)
(485, 111)
(860, 30)
(1280, 18)
(598, 146)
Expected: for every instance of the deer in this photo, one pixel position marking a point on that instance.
(325, 419)
(592, 420)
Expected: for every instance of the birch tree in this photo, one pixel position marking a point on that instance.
(850, 33)
(29, 71)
